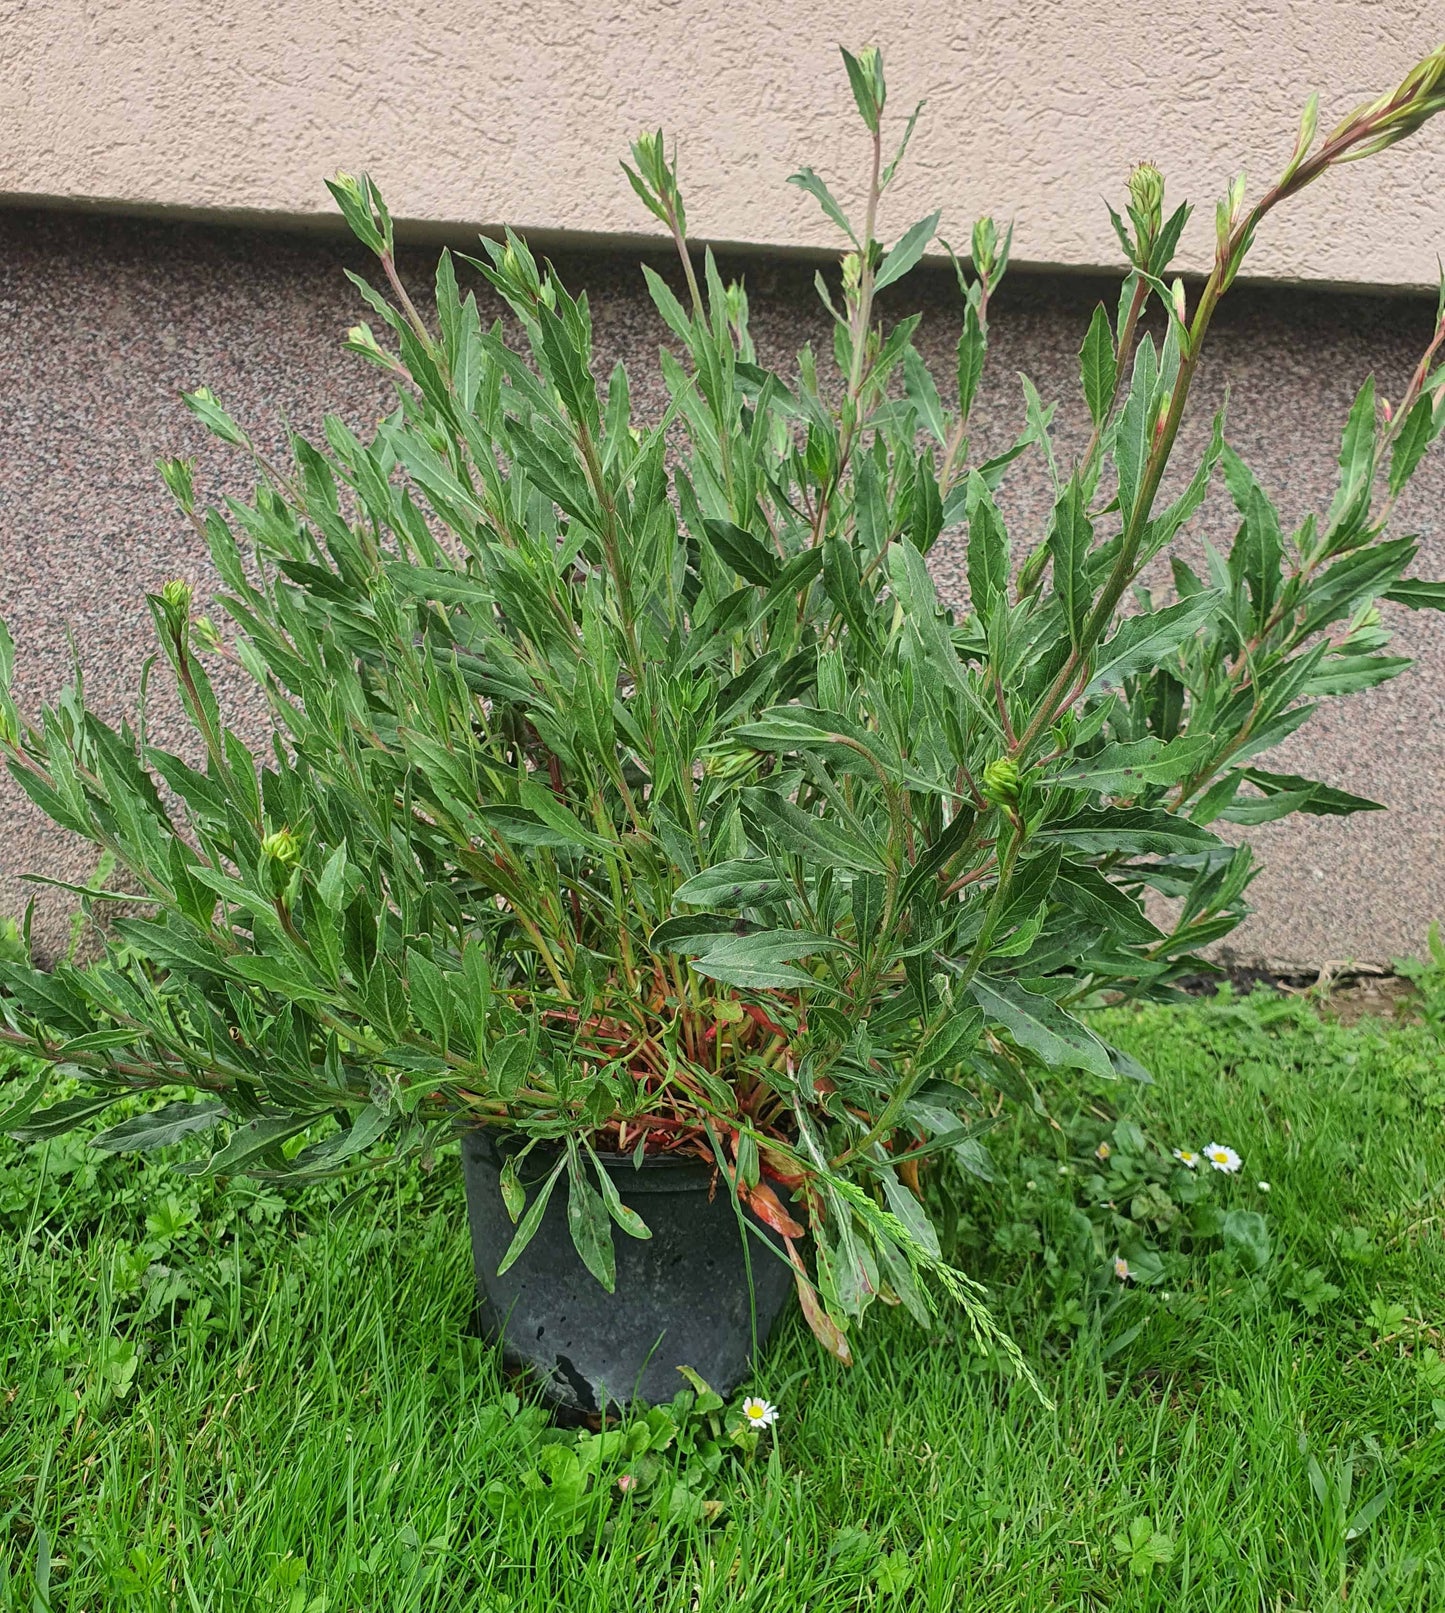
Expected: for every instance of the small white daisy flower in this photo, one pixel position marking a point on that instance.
(1222, 1158)
(1121, 1269)
(757, 1413)
(1103, 1151)
(1264, 1187)
(1187, 1158)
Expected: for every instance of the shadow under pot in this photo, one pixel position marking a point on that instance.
(681, 1296)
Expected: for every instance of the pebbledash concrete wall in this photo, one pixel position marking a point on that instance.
(224, 122)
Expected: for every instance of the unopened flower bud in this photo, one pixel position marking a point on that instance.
(176, 597)
(852, 271)
(1146, 192)
(730, 763)
(364, 337)
(205, 633)
(176, 474)
(1001, 782)
(281, 846)
(985, 248)
(648, 153)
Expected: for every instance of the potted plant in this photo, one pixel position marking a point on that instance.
(635, 806)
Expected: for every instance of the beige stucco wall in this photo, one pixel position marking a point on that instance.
(475, 111)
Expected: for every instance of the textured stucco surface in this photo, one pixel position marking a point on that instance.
(479, 112)
(101, 321)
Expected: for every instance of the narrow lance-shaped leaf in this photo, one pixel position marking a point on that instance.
(1422, 426)
(1070, 537)
(1145, 640)
(1098, 366)
(988, 553)
(906, 254)
(1039, 1024)
(587, 1221)
(1133, 433)
(527, 1229)
(159, 1128)
(806, 179)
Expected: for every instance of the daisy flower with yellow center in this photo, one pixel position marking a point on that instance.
(758, 1413)
(1103, 1151)
(1187, 1158)
(1222, 1158)
(1121, 1269)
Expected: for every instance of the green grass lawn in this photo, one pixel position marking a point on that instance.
(232, 1401)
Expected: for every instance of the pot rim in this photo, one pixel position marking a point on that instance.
(498, 1142)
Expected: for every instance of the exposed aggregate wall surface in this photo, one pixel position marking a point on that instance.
(103, 320)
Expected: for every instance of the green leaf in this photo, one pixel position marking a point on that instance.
(1126, 767)
(158, 1128)
(972, 350)
(739, 883)
(798, 727)
(1142, 642)
(1039, 1024)
(1246, 1237)
(1098, 366)
(1133, 434)
(865, 93)
(587, 1221)
(251, 1142)
(1255, 558)
(1348, 674)
(59, 1118)
(544, 804)
(624, 1215)
(325, 1156)
(806, 179)
(760, 960)
(429, 997)
(49, 996)
(507, 1063)
(531, 1220)
(275, 974)
(915, 593)
(844, 584)
(1416, 594)
(817, 840)
(906, 254)
(1128, 830)
(1357, 456)
(333, 887)
(747, 555)
(19, 1109)
(514, 1195)
(988, 551)
(923, 394)
(1082, 887)
(1422, 426)
(1070, 536)
(202, 403)
(1319, 800)
(950, 1042)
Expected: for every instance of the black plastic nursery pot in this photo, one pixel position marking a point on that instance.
(682, 1296)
